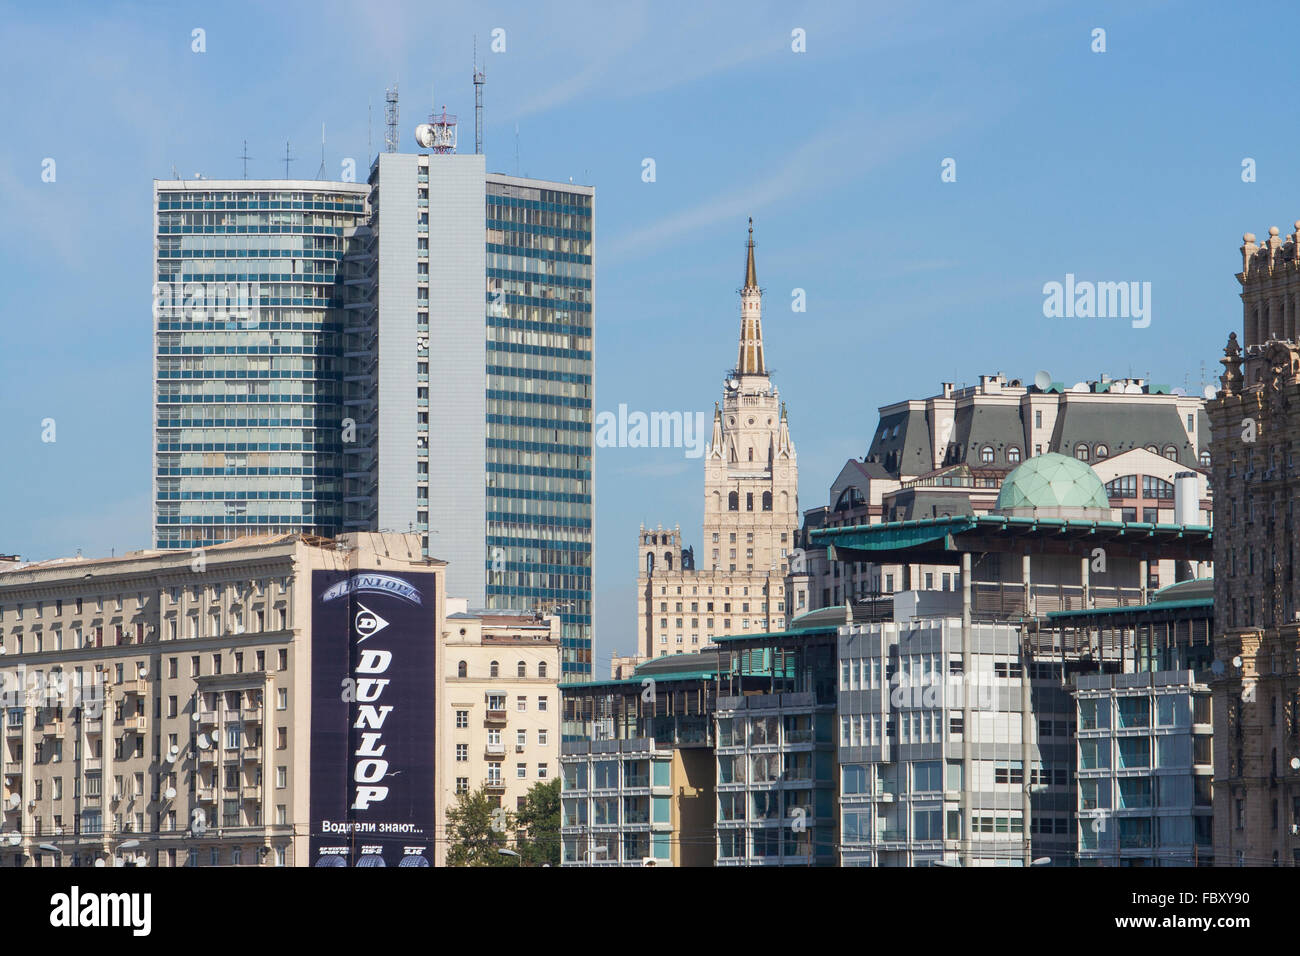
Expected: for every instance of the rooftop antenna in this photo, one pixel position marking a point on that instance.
(370, 120)
(245, 157)
(320, 173)
(175, 174)
(479, 80)
(288, 158)
(516, 149)
(439, 134)
(390, 119)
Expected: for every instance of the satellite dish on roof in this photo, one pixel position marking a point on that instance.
(1132, 389)
(1080, 387)
(1178, 391)
(1042, 380)
(1210, 391)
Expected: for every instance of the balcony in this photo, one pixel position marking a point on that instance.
(136, 724)
(137, 686)
(94, 725)
(208, 756)
(17, 728)
(53, 728)
(207, 718)
(494, 785)
(494, 716)
(206, 795)
(252, 714)
(251, 791)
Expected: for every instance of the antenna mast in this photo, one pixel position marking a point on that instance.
(320, 173)
(390, 118)
(288, 158)
(479, 80)
(245, 157)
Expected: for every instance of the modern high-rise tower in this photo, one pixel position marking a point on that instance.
(470, 377)
(443, 384)
(247, 323)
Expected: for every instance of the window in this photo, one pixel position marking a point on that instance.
(462, 753)
(494, 669)
(521, 704)
(986, 454)
(1102, 451)
(1205, 458)
(282, 699)
(541, 669)
(1081, 452)
(1171, 452)
(521, 669)
(282, 659)
(733, 501)
(462, 719)
(1013, 455)
(541, 703)
(521, 771)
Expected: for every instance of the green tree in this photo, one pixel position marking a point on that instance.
(538, 825)
(477, 828)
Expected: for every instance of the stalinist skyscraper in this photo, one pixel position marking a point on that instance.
(751, 509)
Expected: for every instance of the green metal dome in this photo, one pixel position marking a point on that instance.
(1051, 481)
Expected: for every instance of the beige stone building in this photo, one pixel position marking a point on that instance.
(736, 582)
(500, 704)
(1256, 441)
(158, 705)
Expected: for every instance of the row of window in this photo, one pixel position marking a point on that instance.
(494, 670)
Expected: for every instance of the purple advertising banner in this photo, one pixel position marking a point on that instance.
(373, 655)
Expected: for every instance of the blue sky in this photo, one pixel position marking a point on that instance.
(1115, 166)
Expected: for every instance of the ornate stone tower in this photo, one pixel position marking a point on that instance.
(751, 476)
(735, 584)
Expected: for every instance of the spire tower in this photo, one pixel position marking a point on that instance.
(751, 360)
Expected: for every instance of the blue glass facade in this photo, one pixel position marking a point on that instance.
(540, 309)
(247, 322)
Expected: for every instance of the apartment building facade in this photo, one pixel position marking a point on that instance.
(500, 702)
(159, 706)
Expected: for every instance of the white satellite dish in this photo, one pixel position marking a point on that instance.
(424, 135)
(1042, 380)
(732, 384)
(14, 799)
(15, 839)
(1236, 661)
(171, 754)
(99, 862)
(1178, 391)
(1210, 391)
(143, 672)
(1295, 763)
(1132, 389)
(195, 718)
(202, 741)
(169, 793)
(1079, 387)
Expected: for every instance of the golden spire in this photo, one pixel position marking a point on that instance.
(751, 275)
(751, 361)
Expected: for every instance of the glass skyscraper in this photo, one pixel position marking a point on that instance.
(540, 336)
(413, 353)
(247, 322)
